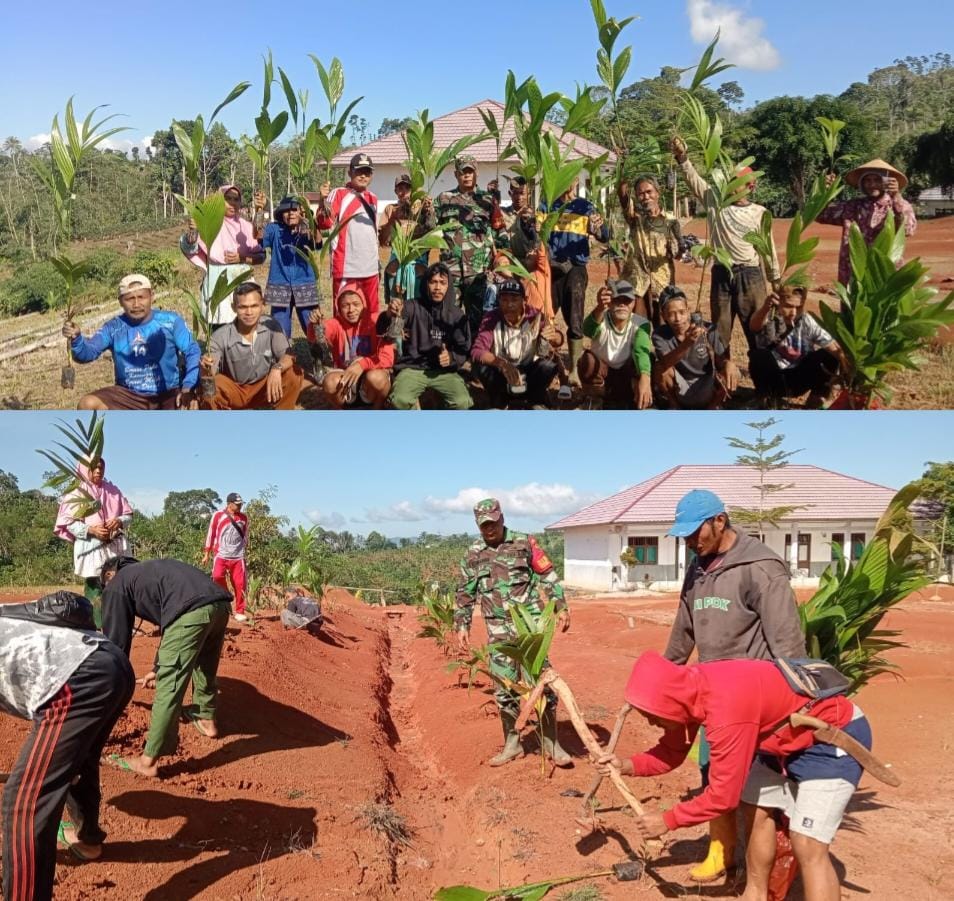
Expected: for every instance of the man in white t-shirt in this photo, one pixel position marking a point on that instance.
(619, 358)
(354, 250)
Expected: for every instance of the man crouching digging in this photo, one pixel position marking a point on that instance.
(192, 613)
(504, 568)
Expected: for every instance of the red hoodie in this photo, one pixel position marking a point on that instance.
(740, 702)
(355, 341)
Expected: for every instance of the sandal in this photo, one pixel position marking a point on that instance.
(120, 762)
(73, 849)
(190, 716)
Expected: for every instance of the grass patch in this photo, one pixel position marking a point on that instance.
(381, 818)
(588, 892)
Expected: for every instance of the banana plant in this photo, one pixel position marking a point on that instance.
(800, 251)
(329, 138)
(268, 130)
(67, 155)
(84, 449)
(192, 144)
(886, 315)
(841, 621)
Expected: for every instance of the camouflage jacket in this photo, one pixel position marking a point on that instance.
(470, 247)
(514, 572)
(521, 241)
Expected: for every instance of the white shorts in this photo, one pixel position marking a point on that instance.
(814, 807)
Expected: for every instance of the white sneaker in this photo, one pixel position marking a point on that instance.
(241, 617)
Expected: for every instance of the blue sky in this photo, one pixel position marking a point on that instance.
(404, 57)
(402, 474)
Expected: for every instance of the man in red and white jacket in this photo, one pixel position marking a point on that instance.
(355, 249)
(226, 542)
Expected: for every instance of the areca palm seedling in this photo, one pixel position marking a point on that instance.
(67, 155)
(328, 138)
(267, 129)
(437, 618)
(886, 315)
(84, 449)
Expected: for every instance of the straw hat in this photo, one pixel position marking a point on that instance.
(879, 167)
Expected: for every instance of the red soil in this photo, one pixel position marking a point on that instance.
(314, 729)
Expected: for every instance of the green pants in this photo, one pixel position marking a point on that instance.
(188, 652)
(94, 594)
(410, 384)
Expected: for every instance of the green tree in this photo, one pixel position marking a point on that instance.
(393, 126)
(192, 507)
(937, 487)
(766, 456)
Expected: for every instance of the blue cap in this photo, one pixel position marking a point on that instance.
(693, 510)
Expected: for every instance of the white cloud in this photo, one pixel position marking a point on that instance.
(334, 520)
(741, 40)
(34, 142)
(402, 511)
(533, 500)
(147, 500)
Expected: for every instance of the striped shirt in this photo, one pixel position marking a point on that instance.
(228, 535)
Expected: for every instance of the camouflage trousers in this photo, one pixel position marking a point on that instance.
(504, 667)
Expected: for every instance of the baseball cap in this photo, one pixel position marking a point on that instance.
(361, 161)
(402, 179)
(130, 283)
(693, 510)
(487, 510)
(234, 498)
(622, 288)
(465, 161)
(512, 286)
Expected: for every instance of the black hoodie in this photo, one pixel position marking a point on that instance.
(744, 608)
(421, 317)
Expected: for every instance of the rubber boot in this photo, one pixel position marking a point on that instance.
(511, 749)
(721, 854)
(576, 352)
(551, 744)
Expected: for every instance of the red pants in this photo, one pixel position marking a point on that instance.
(370, 288)
(235, 569)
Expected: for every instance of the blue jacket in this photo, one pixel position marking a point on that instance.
(286, 267)
(570, 239)
(145, 354)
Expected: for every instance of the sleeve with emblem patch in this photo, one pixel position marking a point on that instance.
(541, 564)
(466, 595)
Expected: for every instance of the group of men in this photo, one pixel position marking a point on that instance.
(467, 321)
(737, 610)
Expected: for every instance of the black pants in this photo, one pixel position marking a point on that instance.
(65, 743)
(470, 296)
(815, 372)
(568, 290)
(539, 373)
(738, 293)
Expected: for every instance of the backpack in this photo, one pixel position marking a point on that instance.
(814, 679)
(62, 608)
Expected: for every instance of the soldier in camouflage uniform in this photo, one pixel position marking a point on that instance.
(504, 568)
(470, 247)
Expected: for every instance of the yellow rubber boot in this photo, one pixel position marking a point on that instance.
(721, 854)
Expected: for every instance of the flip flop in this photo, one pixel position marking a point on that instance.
(61, 839)
(119, 762)
(196, 720)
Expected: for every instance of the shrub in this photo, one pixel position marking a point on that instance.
(105, 266)
(28, 288)
(158, 266)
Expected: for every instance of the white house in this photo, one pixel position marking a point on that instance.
(833, 508)
(389, 154)
(938, 201)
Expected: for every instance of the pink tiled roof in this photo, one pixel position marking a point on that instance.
(459, 124)
(827, 495)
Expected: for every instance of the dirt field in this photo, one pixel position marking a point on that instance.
(323, 735)
(31, 381)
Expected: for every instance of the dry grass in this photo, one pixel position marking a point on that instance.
(381, 818)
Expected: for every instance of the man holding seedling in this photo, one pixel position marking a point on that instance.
(736, 292)
(410, 219)
(569, 247)
(146, 345)
(881, 186)
(470, 246)
(226, 541)
(251, 359)
(504, 569)
(692, 370)
(72, 683)
(736, 602)
(192, 614)
(354, 249)
(619, 359)
(654, 238)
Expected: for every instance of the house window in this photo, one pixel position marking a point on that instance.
(804, 550)
(839, 539)
(645, 549)
(857, 544)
